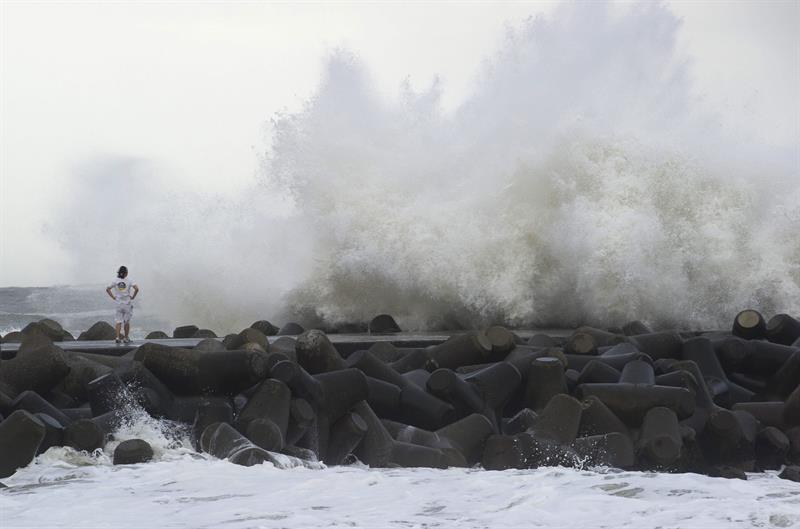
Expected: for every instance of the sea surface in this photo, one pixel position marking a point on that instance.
(76, 308)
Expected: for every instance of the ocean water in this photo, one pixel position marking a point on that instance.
(76, 308)
(191, 491)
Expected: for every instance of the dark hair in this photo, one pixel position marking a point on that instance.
(122, 272)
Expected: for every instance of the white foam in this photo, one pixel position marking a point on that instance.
(192, 493)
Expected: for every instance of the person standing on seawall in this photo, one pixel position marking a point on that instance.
(120, 291)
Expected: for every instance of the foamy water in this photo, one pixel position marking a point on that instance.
(187, 491)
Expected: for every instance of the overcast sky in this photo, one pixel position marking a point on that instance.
(192, 86)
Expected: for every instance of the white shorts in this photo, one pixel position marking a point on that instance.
(124, 313)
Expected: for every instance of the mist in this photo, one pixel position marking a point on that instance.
(581, 179)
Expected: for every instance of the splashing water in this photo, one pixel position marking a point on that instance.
(580, 183)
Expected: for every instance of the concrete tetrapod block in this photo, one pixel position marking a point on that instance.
(271, 400)
(377, 445)
(791, 410)
(383, 324)
(749, 324)
(208, 413)
(768, 413)
(468, 435)
(414, 359)
(38, 369)
(783, 329)
(462, 349)
(301, 418)
(630, 402)
(447, 385)
(54, 433)
(660, 442)
(665, 344)
(525, 450)
(265, 434)
(265, 327)
(81, 372)
(189, 372)
(221, 440)
(560, 419)
(638, 372)
(90, 434)
(409, 455)
(32, 402)
(786, 378)
(613, 449)
(291, 329)
(21, 433)
(772, 446)
(632, 328)
(185, 331)
(383, 397)
(496, 384)
(138, 378)
(98, 331)
(545, 380)
(598, 372)
(598, 419)
(542, 340)
(701, 351)
(385, 351)
(502, 341)
(133, 451)
(523, 420)
(346, 434)
(316, 354)
(106, 393)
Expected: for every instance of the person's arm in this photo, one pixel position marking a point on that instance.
(135, 292)
(108, 291)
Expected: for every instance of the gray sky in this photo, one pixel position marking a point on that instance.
(192, 86)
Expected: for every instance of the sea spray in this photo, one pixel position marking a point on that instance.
(579, 183)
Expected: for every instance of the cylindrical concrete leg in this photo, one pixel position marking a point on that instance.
(265, 434)
(316, 353)
(346, 434)
(749, 324)
(661, 440)
(208, 413)
(598, 419)
(20, 436)
(462, 350)
(301, 417)
(468, 435)
(545, 380)
(560, 419)
(772, 446)
(783, 329)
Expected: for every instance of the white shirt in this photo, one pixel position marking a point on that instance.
(121, 289)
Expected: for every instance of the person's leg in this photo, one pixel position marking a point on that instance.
(127, 328)
(118, 326)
